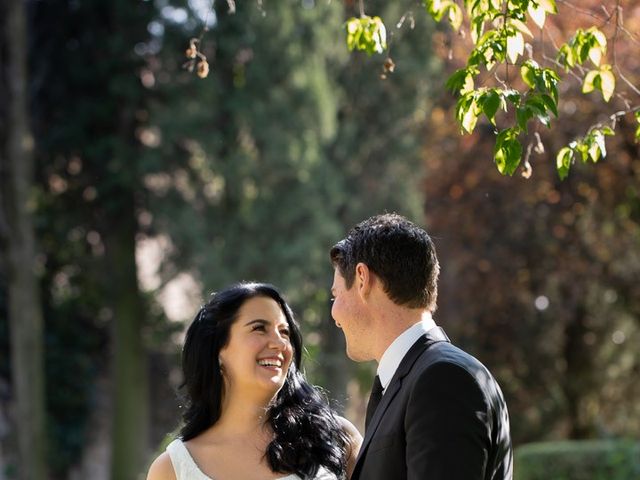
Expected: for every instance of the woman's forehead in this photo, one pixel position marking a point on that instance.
(264, 308)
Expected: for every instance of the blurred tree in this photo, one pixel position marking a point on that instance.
(86, 102)
(19, 246)
(279, 151)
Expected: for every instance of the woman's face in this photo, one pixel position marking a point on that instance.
(259, 352)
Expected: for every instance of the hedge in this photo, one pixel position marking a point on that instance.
(578, 460)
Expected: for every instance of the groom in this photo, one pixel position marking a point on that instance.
(435, 412)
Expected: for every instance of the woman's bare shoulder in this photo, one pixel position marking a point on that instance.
(161, 468)
(355, 441)
(352, 432)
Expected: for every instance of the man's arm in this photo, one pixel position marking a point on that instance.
(448, 432)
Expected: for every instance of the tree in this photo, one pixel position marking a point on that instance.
(538, 277)
(514, 102)
(19, 247)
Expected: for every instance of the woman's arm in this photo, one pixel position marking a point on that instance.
(353, 447)
(161, 469)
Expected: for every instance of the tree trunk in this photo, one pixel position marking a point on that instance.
(129, 374)
(25, 312)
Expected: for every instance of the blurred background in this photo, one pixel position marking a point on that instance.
(132, 189)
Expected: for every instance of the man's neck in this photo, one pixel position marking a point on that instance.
(393, 323)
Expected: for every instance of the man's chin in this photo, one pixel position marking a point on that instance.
(356, 356)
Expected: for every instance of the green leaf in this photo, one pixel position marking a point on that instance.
(566, 57)
(490, 105)
(637, 135)
(536, 104)
(583, 149)
(607, 131)
(563, 162)
(513, 96)
(551, 105)
(598, 139)
(515, 46)
(523, 115)
(477, 29)
(456, 81)
(367, 34)
(527, 72)
(583, 51)
(508, 152)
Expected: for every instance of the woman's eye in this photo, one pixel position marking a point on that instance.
(284, 333)
(258, 327)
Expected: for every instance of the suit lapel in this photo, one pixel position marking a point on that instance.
(434, 335)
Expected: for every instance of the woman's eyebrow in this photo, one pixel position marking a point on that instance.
(257, 320)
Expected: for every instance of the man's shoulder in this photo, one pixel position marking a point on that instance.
(448, 353)
(446, 356)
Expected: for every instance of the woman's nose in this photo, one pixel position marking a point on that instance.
(279, 341)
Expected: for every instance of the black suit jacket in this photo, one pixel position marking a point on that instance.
(442, 417)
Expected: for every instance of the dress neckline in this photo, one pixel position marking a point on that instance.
(292, 476)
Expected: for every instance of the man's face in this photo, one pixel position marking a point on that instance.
(349, 314)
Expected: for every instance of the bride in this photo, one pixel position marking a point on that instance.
(250, 413)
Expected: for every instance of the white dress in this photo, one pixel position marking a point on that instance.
(186, 469)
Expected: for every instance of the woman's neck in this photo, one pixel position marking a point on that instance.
(242, 415)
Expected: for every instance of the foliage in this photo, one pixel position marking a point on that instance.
(502, 38)
(539, 277)
(578, 460)
(366, 33)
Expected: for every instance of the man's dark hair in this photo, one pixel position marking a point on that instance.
(399, 252)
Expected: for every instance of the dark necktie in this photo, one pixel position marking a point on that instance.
(374, 400)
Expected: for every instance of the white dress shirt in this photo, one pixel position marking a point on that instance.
(395, 352)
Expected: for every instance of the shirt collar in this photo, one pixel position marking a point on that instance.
(395, 352)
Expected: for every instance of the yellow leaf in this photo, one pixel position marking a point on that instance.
(587, 85)
(515, 46)
(455, 16)
(470, 117)
(548, 6)
(538, 15)
(595, 55)
(521, 27)
(608, 83)
(468, 85)
(599, 36)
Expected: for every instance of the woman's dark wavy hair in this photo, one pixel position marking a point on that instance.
(306, 432)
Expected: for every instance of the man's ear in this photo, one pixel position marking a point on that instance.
(363, 280)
